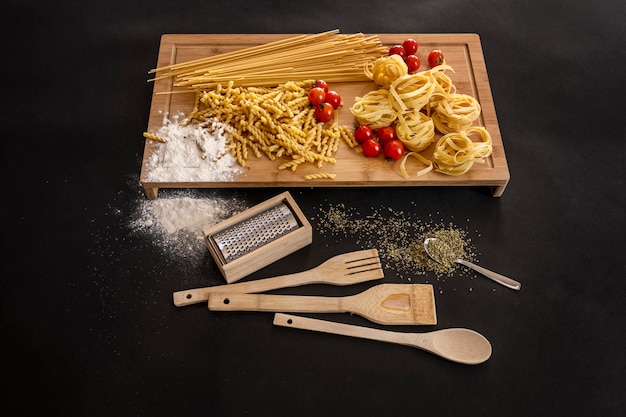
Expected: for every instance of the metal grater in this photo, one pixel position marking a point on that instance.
(258, 236)
(254, 232)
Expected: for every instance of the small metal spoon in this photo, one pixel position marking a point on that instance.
(500, 279)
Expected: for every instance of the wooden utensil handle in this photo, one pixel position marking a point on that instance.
(306, 323)
(275, 303)
(200, 295)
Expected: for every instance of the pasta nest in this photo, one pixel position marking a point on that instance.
(455, 153)
(386, 70)
(374, 109)
(444, 82)
(415, 130)
(412, 91)
(454, 112)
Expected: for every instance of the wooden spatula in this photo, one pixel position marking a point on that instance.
(346, 269)
(383, 303)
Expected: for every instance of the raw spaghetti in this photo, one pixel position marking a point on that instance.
(329, 55)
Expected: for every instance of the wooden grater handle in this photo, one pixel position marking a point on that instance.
(275, 303)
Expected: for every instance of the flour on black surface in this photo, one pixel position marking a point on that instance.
(175, 223)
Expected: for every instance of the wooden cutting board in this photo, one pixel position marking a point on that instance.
(462, 51)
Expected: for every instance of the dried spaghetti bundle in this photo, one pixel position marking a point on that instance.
(329, 55)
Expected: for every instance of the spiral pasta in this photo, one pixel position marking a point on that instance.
(153, 137)
(320, 176)
(277, 122)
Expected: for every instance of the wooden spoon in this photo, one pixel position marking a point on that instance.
(458, 345)
(383, 303)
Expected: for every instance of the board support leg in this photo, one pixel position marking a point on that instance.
(151, 192)
(498, 190)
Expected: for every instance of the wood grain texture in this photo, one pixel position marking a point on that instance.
(267, 253)
(462, 51)
(396, 304)
(345, 269)
(456, 344)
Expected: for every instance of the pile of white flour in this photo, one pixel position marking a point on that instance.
(192, 153)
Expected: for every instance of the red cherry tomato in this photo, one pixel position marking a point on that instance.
(317, 96)
(333, 98)
(413, 63)
(371, 148)
(363, 133)
(321, 84)
(397, 50)
(393, 149)
(410, 46)
(324, 113)
(385, 134)
(435, 57)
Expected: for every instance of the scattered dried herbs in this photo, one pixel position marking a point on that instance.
(399, 238)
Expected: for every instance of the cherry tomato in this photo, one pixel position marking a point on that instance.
(321, 84)
(386, 134)
(317, 96)
(363, 133)
(413, 63)
(393, 149)
(435, 57)
(371, 148)
(397, 50)
(324, 112)
(410, 46)
(333, 98)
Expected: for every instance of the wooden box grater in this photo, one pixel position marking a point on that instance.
(258, 236)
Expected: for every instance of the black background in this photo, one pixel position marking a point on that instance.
(88, 325)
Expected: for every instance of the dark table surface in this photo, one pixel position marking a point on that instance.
(88, 323)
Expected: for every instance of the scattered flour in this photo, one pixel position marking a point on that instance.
(192, 153)
(175, 223)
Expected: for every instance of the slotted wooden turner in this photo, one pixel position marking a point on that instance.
(346, 269)
(383, 303)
